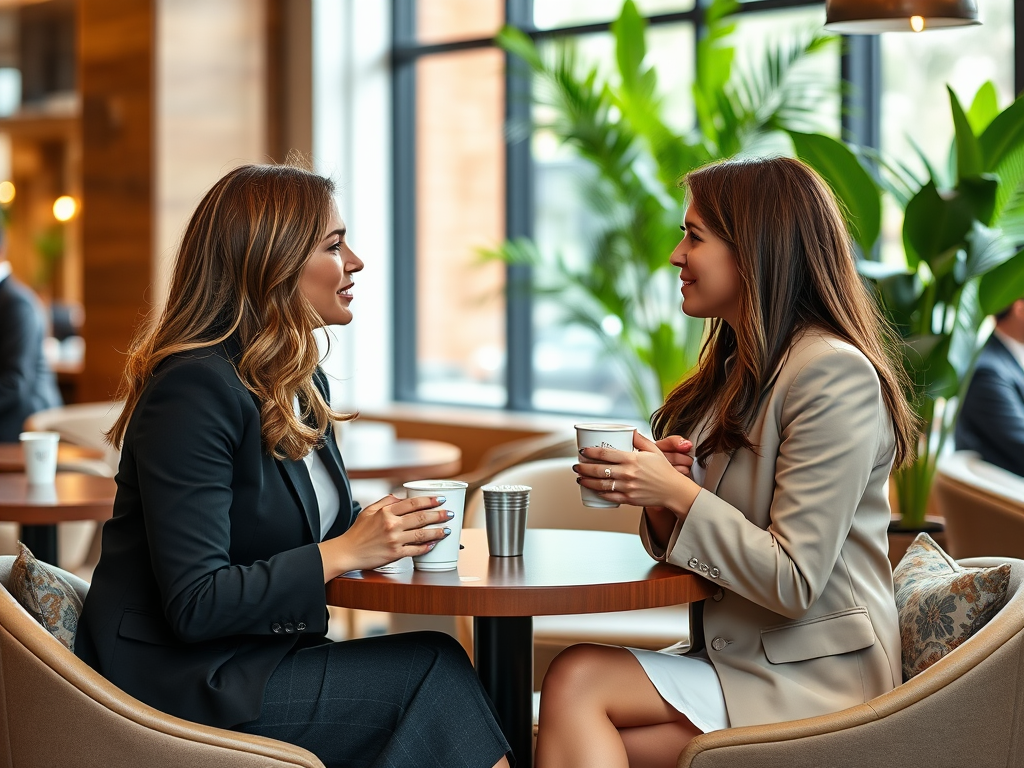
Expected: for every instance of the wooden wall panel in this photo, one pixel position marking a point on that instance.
(116, 55)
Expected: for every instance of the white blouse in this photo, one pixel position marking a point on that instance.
(327, 497)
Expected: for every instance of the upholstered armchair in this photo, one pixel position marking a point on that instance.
(55, 710)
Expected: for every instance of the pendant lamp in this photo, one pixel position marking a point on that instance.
(869, 17)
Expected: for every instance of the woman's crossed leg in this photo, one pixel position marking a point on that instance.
(599, 709)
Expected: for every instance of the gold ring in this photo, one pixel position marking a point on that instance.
(607, 472)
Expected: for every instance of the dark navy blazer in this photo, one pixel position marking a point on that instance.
(991, 419)
(209, 571)
(27, 384)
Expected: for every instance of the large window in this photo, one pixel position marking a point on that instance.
(467, 331)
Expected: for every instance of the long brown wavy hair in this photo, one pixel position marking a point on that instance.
(237, 275)
(797, 271)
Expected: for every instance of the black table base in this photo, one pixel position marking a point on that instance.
(503, 651)
(42, 540)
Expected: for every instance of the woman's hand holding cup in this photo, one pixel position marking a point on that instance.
(385, 531)
(646, 477)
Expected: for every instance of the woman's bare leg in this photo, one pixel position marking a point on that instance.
(591, 692)
(503, 763)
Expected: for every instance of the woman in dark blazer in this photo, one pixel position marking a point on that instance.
(233, 508)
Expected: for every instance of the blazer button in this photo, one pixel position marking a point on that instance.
(289, 628)
(703, 567)
(276, 628)
(719, 643)
(714, 573)
(693, 562)
(717, 597)
(301, 626)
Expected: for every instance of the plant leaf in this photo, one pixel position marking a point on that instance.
(968, 154)
(1003, 135)
(1003, 285)
(984, 108)
(856, 190)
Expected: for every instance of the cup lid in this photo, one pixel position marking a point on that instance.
(606, 427)
(504, 488)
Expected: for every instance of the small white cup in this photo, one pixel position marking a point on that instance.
(616, 436)
(40, 450)
(445, 554)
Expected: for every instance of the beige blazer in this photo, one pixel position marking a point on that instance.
(795, 535)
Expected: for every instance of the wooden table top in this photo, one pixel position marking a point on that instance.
(74, 496)
(560, 572)
(12, 458)
(400, 460)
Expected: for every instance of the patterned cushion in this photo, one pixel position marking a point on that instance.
(46, 595)
(941, 604)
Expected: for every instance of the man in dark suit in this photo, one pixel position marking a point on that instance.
(27, 384)
(991, 420)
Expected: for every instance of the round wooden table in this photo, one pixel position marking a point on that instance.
(561, 572)
(74, 496)
(399, 460)
(12, 458)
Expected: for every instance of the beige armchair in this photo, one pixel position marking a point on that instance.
(965, 710)
(983, 507)
(55, 710)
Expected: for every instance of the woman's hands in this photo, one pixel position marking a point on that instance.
(656, 475)
(383, 532)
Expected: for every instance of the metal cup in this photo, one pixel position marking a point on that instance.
(505, 511)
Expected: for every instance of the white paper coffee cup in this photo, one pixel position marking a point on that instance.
(616, 436)
(40, 449)
(445, 554)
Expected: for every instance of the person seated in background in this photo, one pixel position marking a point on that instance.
(991, 419)
(27, 384)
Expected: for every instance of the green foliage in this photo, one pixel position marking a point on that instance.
(617, 126)
(960, 239)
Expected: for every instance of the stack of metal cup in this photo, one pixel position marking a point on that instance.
(505, 510)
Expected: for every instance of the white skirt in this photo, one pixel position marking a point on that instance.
(690, 684)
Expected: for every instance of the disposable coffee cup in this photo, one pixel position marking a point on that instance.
(445, 554)
(616, 436)
(40, 449)
(505, 511)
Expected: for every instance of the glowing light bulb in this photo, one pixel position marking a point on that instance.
(64, 208)
(6, 192)
(917, 23)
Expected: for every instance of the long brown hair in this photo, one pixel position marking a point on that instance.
(237, 275)
(797, 271)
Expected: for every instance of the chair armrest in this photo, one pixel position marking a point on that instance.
(962, 710)
(55, 710)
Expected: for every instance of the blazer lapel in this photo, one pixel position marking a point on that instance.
(298, 477)
(716, 469)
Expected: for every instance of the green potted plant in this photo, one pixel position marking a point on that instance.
(962, 227)
(617, 126)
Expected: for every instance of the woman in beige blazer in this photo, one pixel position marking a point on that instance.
(794, 419)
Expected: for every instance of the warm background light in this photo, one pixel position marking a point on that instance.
(917, 23)
(6, 192)
(64, 208)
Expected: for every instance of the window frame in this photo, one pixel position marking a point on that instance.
(860, 66)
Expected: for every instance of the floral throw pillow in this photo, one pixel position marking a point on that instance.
(941, 604)
(46, 595)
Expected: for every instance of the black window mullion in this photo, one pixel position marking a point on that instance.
(519, 217)
(403, 158)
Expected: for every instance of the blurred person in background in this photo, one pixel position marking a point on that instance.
(27, 384)
(991, 420)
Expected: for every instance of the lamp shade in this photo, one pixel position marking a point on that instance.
(869, 17)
